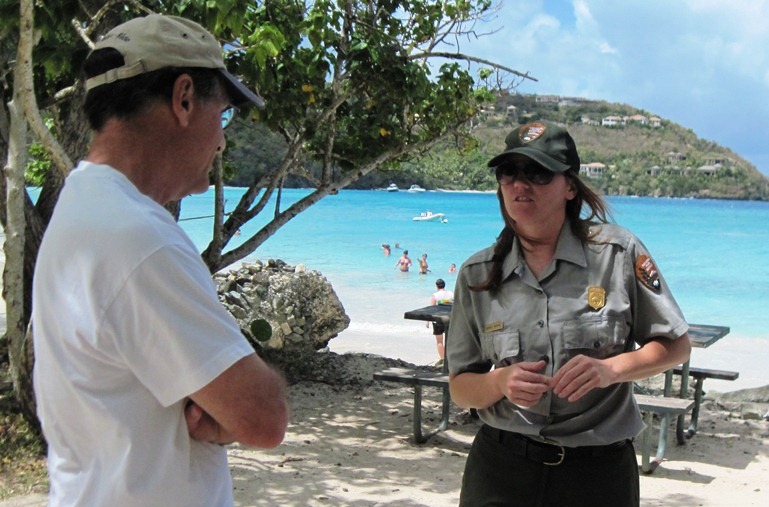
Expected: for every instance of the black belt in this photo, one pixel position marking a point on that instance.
(549, 453)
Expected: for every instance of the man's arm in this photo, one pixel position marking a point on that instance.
(246, 403)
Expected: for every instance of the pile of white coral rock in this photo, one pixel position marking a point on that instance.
(300, 306)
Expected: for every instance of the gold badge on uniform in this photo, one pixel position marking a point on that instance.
(646, 272)
(596, 297)
(494, 326)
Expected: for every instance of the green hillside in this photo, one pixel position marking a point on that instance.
(643, 155)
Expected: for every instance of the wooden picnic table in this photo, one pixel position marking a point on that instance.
(700, 335)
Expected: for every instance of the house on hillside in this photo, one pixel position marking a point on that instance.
(708, 170)
(621, 121)
(586, 120)
(676, 170)
(674, 157)
(654, 170)
(568, 102)
(672, 170)
(613, 121)
(512, 114)
(548, 99)
(717, 160)
(592, 170)
(488, 111)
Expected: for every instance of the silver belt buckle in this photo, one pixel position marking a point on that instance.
(561, 455)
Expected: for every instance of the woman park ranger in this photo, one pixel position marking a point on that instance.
(550, 327)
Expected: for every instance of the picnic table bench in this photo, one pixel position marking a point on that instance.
(700, 336)
(417, 379)
(664, 406)
(699, 375)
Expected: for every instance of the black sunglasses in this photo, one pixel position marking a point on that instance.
(531, 172)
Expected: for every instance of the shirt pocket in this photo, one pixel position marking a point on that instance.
(598, 336)
(502, 346)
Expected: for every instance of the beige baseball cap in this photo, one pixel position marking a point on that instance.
(157, 41)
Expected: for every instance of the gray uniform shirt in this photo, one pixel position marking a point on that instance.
(598, 298)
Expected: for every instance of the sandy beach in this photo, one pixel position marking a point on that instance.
(350, 444)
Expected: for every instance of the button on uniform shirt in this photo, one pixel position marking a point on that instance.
(598, 298)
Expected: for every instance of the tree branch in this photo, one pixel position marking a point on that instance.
(468, 58)
(25, 82)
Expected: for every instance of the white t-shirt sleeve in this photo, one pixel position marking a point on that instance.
(170, 329)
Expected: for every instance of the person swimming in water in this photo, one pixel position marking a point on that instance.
(404, 262)
(423, 267)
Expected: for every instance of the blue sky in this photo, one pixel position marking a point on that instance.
(701, 63)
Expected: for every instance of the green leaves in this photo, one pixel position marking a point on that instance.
(350, 86)
(351, 63)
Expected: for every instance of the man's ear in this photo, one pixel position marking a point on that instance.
(181, 99)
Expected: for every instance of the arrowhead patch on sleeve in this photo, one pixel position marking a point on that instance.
(646, 272)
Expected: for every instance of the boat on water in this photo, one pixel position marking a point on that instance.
(416, 188)
(392, 188)
(429, 216)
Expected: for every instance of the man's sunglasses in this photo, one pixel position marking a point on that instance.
(531, 172)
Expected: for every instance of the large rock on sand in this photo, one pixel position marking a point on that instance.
(300, 306)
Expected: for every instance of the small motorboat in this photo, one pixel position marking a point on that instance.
(429, 216)
(416, 188)
(392, 188)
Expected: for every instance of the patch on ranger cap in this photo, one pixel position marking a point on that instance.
(531, 132)
(646, 272)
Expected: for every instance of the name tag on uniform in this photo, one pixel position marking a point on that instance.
(494, 326)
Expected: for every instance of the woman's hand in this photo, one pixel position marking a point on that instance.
(523, 385)
(580, 375)
(520, 383)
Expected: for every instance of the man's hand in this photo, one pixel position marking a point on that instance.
(203, 427)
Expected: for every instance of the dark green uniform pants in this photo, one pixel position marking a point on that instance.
(506, 470)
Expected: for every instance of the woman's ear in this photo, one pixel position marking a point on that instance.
(572, 190)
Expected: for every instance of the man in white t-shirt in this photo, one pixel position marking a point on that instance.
(141, 374)
(442, 296)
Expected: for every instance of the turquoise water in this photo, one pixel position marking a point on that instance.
(714, 255)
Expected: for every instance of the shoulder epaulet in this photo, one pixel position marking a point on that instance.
(611, 233)
(481, 257)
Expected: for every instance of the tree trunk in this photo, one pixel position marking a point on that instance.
(16, 290)
(19, 347)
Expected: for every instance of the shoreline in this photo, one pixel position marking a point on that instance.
(384, 331)
(735, 354)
